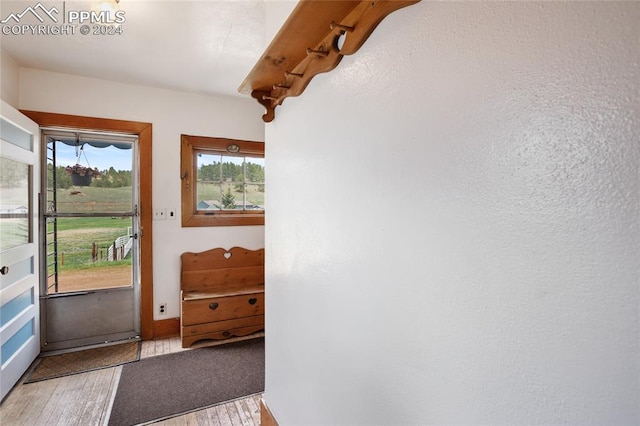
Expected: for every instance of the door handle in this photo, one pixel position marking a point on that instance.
(4, 270)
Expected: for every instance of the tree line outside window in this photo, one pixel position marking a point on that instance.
(228, 171)
(230, 182)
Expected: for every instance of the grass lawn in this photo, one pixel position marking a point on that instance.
(89, 199)
(79, 238)
(76, 267)
(212, 191)
(76, 237)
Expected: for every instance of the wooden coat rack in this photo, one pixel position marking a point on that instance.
(313, 40)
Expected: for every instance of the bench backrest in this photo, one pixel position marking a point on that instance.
(221, 270)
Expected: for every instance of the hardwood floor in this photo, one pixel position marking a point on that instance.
(85, 399)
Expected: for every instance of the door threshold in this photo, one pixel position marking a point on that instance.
(93, 346)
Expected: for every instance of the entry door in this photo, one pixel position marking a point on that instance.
(91, 291)
(19, 284)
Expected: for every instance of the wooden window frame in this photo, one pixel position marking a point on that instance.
(191, 217)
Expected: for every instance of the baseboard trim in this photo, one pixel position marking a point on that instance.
(166, 328)
(266, 417)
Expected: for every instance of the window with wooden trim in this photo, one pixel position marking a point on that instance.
(222, 181)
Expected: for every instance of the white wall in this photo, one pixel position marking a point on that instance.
(10, 81)
(276, 13)
(453, 228)
(171, 113)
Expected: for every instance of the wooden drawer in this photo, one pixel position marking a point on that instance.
(222, 308)
(187, 341)
(223, 326)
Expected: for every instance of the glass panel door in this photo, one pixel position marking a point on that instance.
(19, 280)
(90, 231)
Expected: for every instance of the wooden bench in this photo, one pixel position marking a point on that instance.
(222, 294)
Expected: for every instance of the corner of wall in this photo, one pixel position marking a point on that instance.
(10, 81)
(266, 416)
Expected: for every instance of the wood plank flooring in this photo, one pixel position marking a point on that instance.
(85, 399)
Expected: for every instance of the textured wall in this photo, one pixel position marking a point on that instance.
(453, 228)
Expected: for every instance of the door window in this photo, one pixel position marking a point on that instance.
(15, 228)
(90, 212)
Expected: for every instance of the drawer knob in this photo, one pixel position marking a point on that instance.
(253, 301)
(226, 334)
(213, 306)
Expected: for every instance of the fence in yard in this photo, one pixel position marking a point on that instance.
(120, 248)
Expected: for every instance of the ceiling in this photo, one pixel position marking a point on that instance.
(206, 47)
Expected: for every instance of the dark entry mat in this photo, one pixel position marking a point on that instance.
(168, 385)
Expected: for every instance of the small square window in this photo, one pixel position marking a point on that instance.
(222, 182)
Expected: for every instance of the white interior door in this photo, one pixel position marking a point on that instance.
(19, 266)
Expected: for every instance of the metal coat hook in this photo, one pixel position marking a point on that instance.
(333, 25)
(320, 53)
